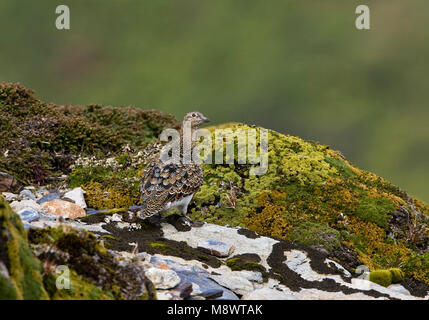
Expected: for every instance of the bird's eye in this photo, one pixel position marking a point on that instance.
(194, 115)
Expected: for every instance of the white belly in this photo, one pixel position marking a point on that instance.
(181, 204)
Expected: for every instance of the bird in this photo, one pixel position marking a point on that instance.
(171, 185)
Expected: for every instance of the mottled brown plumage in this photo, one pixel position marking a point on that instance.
(172, 185)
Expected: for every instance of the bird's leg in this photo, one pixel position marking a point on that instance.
(185, 218)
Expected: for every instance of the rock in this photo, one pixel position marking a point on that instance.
(64, 209)
(189, 271)
(27, 194)
(236, 284)
(211, 294)
(8, 196)
(163, 278)
(18, 206)
(399, 288)
(262, 246)
(7, 182)
(184, 290)
(48, 197)
(267, 294)
(29, 215)
(77, 195)
(253, 276)
(340, 267)
(216, 248)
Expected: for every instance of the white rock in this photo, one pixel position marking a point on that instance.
(237, 284)
(216, 248)
(340, 267)
(8, 196)
(268, 294)
(77, 195)
(25, 204)
(261, 246)
(254, 276)
(399, 288)
(27, 194)
(163, 278)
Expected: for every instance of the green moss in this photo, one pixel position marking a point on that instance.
(7, 290)
(110, 237)
(315, 234)
(245, 262)
(43, 139)
(24, 269)
(374, 209)
(343, 169)
(310, 195)
(381, 277)
(397, 275)
(79, 289)
(161, 247)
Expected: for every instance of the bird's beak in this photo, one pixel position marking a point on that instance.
(205, 119)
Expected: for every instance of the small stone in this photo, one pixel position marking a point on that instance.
(27, 194)
(29, 215)
(185, 290)
(18, 206)
(77, 195)
(163, 278)
(216, 248)
(236, 284)
(8, 196)
(212, 294)
(64, 209)
(48, 197)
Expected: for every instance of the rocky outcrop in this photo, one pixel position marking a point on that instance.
(304, 230)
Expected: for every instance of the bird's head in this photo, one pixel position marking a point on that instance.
(195, 118)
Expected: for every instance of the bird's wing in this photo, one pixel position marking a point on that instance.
(163, 183)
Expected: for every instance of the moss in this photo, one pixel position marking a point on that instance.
(99, 197)
(43, 139)
(245, 262)
(161, 247)
(24, 269)
(79, 289)
(95, 273)
(381, 277)
(110, 237)
(417, 265)
(397, 275)
(7, 290)
(315, 234)
(312, 195)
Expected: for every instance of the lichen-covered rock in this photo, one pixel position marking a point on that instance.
(20, 271)
(40, 140)
(310, 196)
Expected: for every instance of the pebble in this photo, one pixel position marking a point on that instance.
(64, 209)
(163, 278)
(29, 215)
(27, 194)
(48, 197)
(77, 195)
(216, 248)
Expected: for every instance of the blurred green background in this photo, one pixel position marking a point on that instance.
(300, 67)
